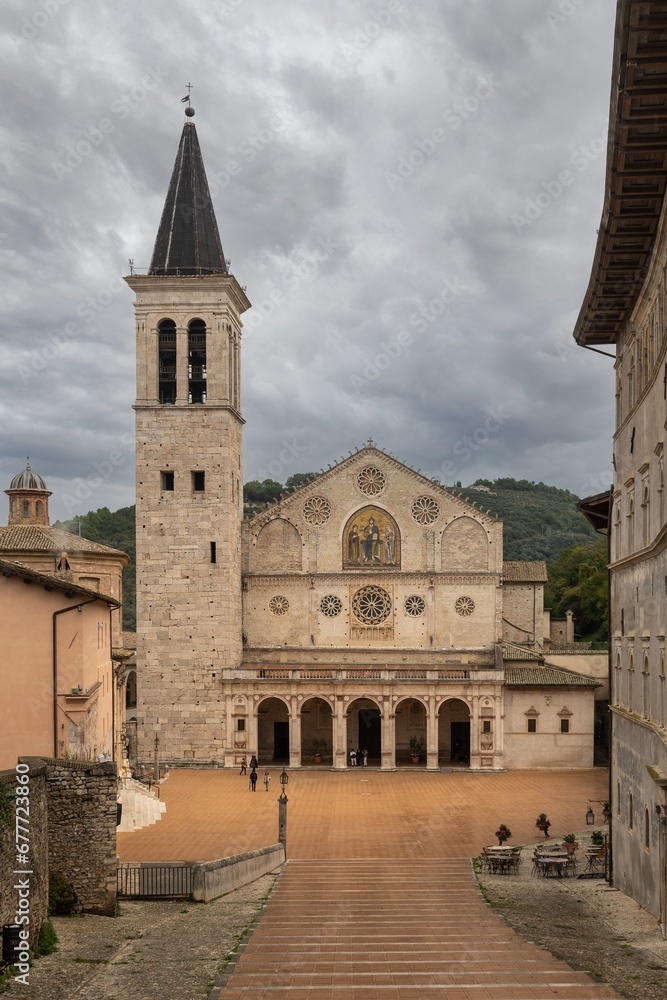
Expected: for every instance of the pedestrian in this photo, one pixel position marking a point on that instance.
(364, 754)
(353, 758)
(244, 766)
(253, 763)
(253, 780)
(267, 780)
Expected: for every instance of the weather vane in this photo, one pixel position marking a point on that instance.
(189, 110)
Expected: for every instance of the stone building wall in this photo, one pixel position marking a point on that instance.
(523, 612)
(36, 831)
(82, 830)
(548, 747)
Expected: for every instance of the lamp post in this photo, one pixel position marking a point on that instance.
(156, 763)
(590, 815)
(282, 811)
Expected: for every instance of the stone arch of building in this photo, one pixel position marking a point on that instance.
(317, 730)
(279, 547)
(464, 545)
(410, 731)
(454, 718)
(364, 729)
(273, 730)
(131, 689)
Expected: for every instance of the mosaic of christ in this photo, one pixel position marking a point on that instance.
(371, 538)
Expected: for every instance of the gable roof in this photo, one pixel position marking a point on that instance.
(525, 572)
(369, 450)
(514, 652)
(9, 568)
(546, 676)
(42, 538)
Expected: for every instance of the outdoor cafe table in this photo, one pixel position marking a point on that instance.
(553, 864)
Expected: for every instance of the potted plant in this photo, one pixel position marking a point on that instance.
(318, 747)
(503, 833)
(570, 843)
(543, 824)
(606, 812)
(417, 748)
(597, 838)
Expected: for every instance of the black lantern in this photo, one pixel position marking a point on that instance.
(284, 778)
(590, 815)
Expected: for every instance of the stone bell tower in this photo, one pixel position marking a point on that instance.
(189, 478)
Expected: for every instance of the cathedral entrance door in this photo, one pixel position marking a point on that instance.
(281, 741)
(370, 733)
(460, 742)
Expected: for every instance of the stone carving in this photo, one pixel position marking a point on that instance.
(371, 481)
(415, 606)
(464, 606)
(331, 605)
(317, 511)
(371, 605)
(425, 510)
(279, 605)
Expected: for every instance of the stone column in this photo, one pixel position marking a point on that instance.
(252, 737)
(339, 734)
(431, 736)
(498, 735)
(474, 733)
(181, 366)
(294, 734)
(388, 731)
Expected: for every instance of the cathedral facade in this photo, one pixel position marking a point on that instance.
(363, 612)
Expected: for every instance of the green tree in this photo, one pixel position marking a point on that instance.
(578, 583)
(300, 479)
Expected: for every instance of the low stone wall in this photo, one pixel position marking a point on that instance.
(82, 830)
(24, 898)
(215, 878)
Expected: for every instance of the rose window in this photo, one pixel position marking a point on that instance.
(415, 606)
(371, 481)
(425, 510)
(464, 606)
(331, 605)
(279, 605)
(317, 511)
(371, 605)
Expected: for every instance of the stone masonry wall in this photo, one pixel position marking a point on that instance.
(26, 904)
(82, 830)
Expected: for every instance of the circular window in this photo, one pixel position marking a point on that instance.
(371, 481)
(279, 605)
(331, 605)
(425, 510)
(317, 511)
(371, 605)
(464, 606)
(415, 606)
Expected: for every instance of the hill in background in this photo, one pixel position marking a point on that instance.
(539, 522)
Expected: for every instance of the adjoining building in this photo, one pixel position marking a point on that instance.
(625, 306)
(62, 679)
(369, 610)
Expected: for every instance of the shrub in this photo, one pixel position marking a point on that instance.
(46, 943)
(62, 897)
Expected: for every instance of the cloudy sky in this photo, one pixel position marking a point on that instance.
(409, 190)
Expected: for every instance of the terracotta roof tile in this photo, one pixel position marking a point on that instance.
(41, 538)
(525, 572)
(9, 568)
(546, 677)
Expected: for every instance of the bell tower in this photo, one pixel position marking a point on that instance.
(189, 503)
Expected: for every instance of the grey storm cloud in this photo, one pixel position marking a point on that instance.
(409, 191)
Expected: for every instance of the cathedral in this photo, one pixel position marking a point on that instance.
(370, 610)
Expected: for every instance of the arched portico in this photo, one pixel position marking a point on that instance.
(273, 731)
(364, 729)
(316, 731)
(410, 731)
(454, 732)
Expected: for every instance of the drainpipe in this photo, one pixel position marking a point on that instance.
(62, 611)
(610, 714)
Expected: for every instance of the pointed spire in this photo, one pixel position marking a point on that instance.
(188, 241)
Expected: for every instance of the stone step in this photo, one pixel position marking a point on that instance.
(381, 930)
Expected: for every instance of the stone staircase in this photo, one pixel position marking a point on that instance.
(141, 806)
(394, 929)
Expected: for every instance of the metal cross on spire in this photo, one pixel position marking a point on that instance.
(187, 96)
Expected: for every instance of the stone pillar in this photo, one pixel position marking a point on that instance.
(181, 365)
(569, 626)
(252, 736)
(388, 749)
(498, 735)
(339, 734)
(431, 736)
(474, 733)
(294, 734)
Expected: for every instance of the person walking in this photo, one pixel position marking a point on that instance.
(267, 780)
(253, 780)
(364, 754)
(244, 766)
(253, 763)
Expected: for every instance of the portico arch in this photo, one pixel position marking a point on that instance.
(364, 729)
(316, 730)
(273, 731)
(410, 731)
(454, 732)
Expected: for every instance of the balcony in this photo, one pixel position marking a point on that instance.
(332, 674)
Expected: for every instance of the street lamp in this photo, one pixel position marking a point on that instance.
(282, 811)
(156, 764)
(590, 815)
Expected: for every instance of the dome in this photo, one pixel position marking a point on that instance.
(28, 480)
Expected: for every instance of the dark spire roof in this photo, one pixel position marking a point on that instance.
(188, 241)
